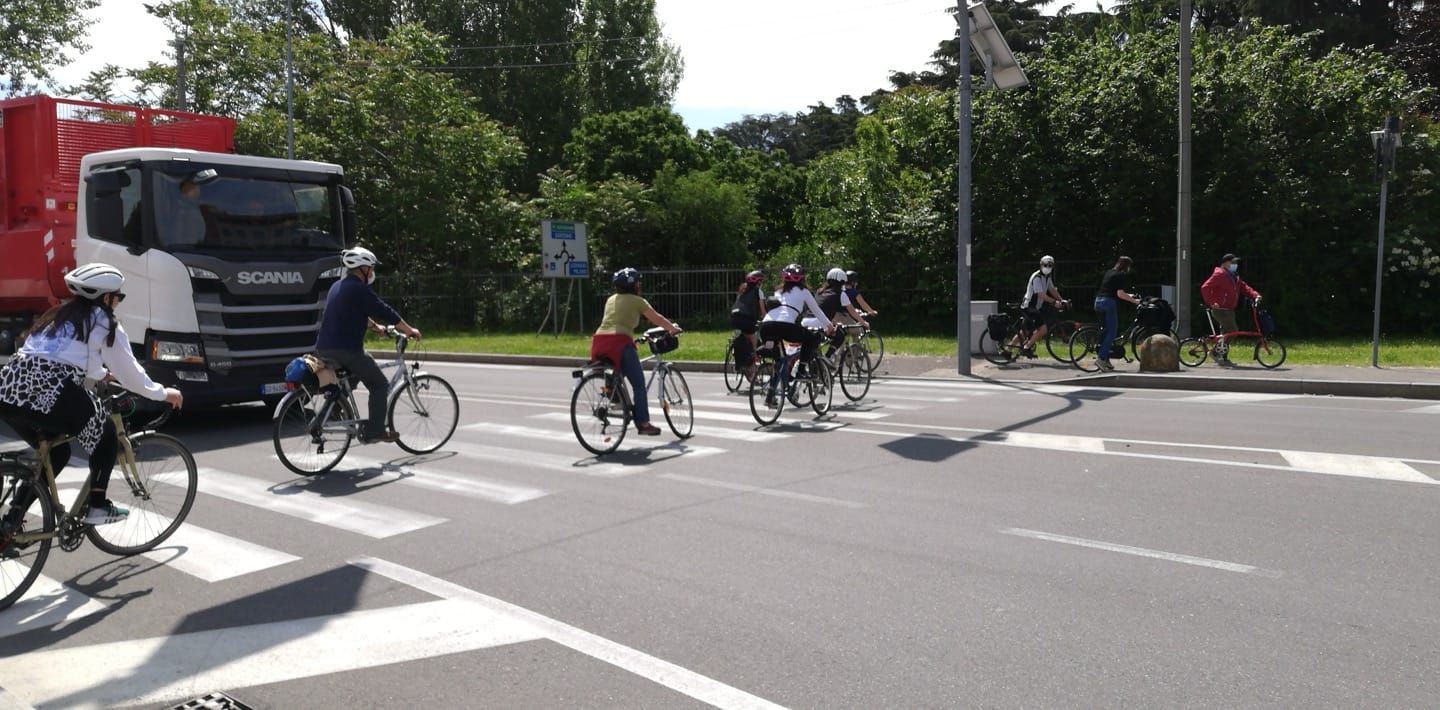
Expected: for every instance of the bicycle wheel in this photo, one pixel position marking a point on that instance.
(598, 414)
(734, 378)
(1085, 348)
(1193, 351)
(20, 563)
(424, 413)
(1270, 353)
(766, 403)
(302, 444)
(855, 371)
(679, 409)
(822, 386)
(875, 343)
(1057, 340)
(158, 497)
(993, 351)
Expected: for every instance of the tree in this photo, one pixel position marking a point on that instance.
(34, 37)
(635, 143)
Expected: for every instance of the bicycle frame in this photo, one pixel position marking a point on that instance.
(404, 374)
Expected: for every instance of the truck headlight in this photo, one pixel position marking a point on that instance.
(166, 351)
(197, 272)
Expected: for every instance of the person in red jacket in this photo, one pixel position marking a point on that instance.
(1222, 292)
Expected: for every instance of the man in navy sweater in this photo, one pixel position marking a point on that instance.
(351, 307)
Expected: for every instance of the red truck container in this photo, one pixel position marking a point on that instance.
(42, 140)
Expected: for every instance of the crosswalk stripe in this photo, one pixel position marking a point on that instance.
(47, 604)
(368, 519)
(1430, 409)
(746, 406)
(659, 450)
(428, 476)
(1233, 397)
(204, 554)
(721, 432)
(1350, 465)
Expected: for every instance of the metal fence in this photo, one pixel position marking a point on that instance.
(701, 297)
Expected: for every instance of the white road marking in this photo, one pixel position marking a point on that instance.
(47, 605)
(1351, 465)
(422, 472)
(1356, 466)
(202, 553)
(1055, 442)
(1234, 397)
(669, 675)
(658, 449)
(806, 497)
(1142, 552)
(165, 669)
(355, 516)
(1430, 409)
(746, 406)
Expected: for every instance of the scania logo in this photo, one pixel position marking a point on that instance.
(270, 277)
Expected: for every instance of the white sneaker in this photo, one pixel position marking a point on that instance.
(104, 514)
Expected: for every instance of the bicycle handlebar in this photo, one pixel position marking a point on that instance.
(127, 403)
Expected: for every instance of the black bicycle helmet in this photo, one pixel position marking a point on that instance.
(792, 274)
(851, 277)
(626, 277)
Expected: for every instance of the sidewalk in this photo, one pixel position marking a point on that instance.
(1406, 382)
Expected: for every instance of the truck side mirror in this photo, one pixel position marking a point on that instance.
(347, 214)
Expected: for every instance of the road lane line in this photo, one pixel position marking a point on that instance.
(164, 669)
(1142, 552)
(1055, 442)
(758, 490)
(357, 516)
(662, 672)
(420, 470)
(746, 406)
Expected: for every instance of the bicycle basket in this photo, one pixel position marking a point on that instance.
(998, 326)
(1156, 314)
(662, 342)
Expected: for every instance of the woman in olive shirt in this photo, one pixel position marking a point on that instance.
(614, 340)
(1116, 285)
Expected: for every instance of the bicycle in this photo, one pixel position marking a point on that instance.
(313, 427)
(1013, 332)
(776, 382)
(1268, 351)
(873, 343)
(736, 374)
(851, 363)
(600, 405)
(158, 482)
(1152, 317)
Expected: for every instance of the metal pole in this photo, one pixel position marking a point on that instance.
(1182, 216)
(180, 104)
(1379, 267)
(289, 79)
(962, 216)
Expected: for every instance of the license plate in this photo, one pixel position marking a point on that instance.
(273, 388)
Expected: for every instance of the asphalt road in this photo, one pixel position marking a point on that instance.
(942, 544)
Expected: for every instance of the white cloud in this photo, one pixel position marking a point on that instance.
(124, 34)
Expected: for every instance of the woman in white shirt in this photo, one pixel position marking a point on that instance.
(781, 322)
(42, 387)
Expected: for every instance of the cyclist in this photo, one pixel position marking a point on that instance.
(781, 323)
(1221, 293)
(42, 391)
(1114, 286)
(745, 317)
(832, 297)
(852, 291)
(350, 307)
(1042, 304)
(614, 340)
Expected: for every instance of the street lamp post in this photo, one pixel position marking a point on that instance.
(1385, 142)
(962, 269)
(289, 80)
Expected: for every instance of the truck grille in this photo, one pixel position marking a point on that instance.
(241, 331)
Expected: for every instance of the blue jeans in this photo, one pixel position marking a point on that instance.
(1109, 313)
(633, 371)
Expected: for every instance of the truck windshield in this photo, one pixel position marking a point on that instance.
(244, 214)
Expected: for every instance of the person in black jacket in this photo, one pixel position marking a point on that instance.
(745, 317)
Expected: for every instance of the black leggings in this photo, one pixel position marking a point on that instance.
(781, 331)
(34, 426)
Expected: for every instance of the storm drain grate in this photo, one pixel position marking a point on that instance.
(212, 701)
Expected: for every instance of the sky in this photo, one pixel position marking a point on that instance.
(741, 57)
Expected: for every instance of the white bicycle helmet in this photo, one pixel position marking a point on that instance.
(357, 257)
(94, 280)
(835, 274)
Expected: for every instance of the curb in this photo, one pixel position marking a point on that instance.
(1124, 380)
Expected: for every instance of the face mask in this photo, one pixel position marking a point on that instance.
(1046, 270)
(1233, 268)
(370, 279)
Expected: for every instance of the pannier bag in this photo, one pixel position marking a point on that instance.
(1267, 322)
(744, 352)
(998, 326)
(308, 371)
